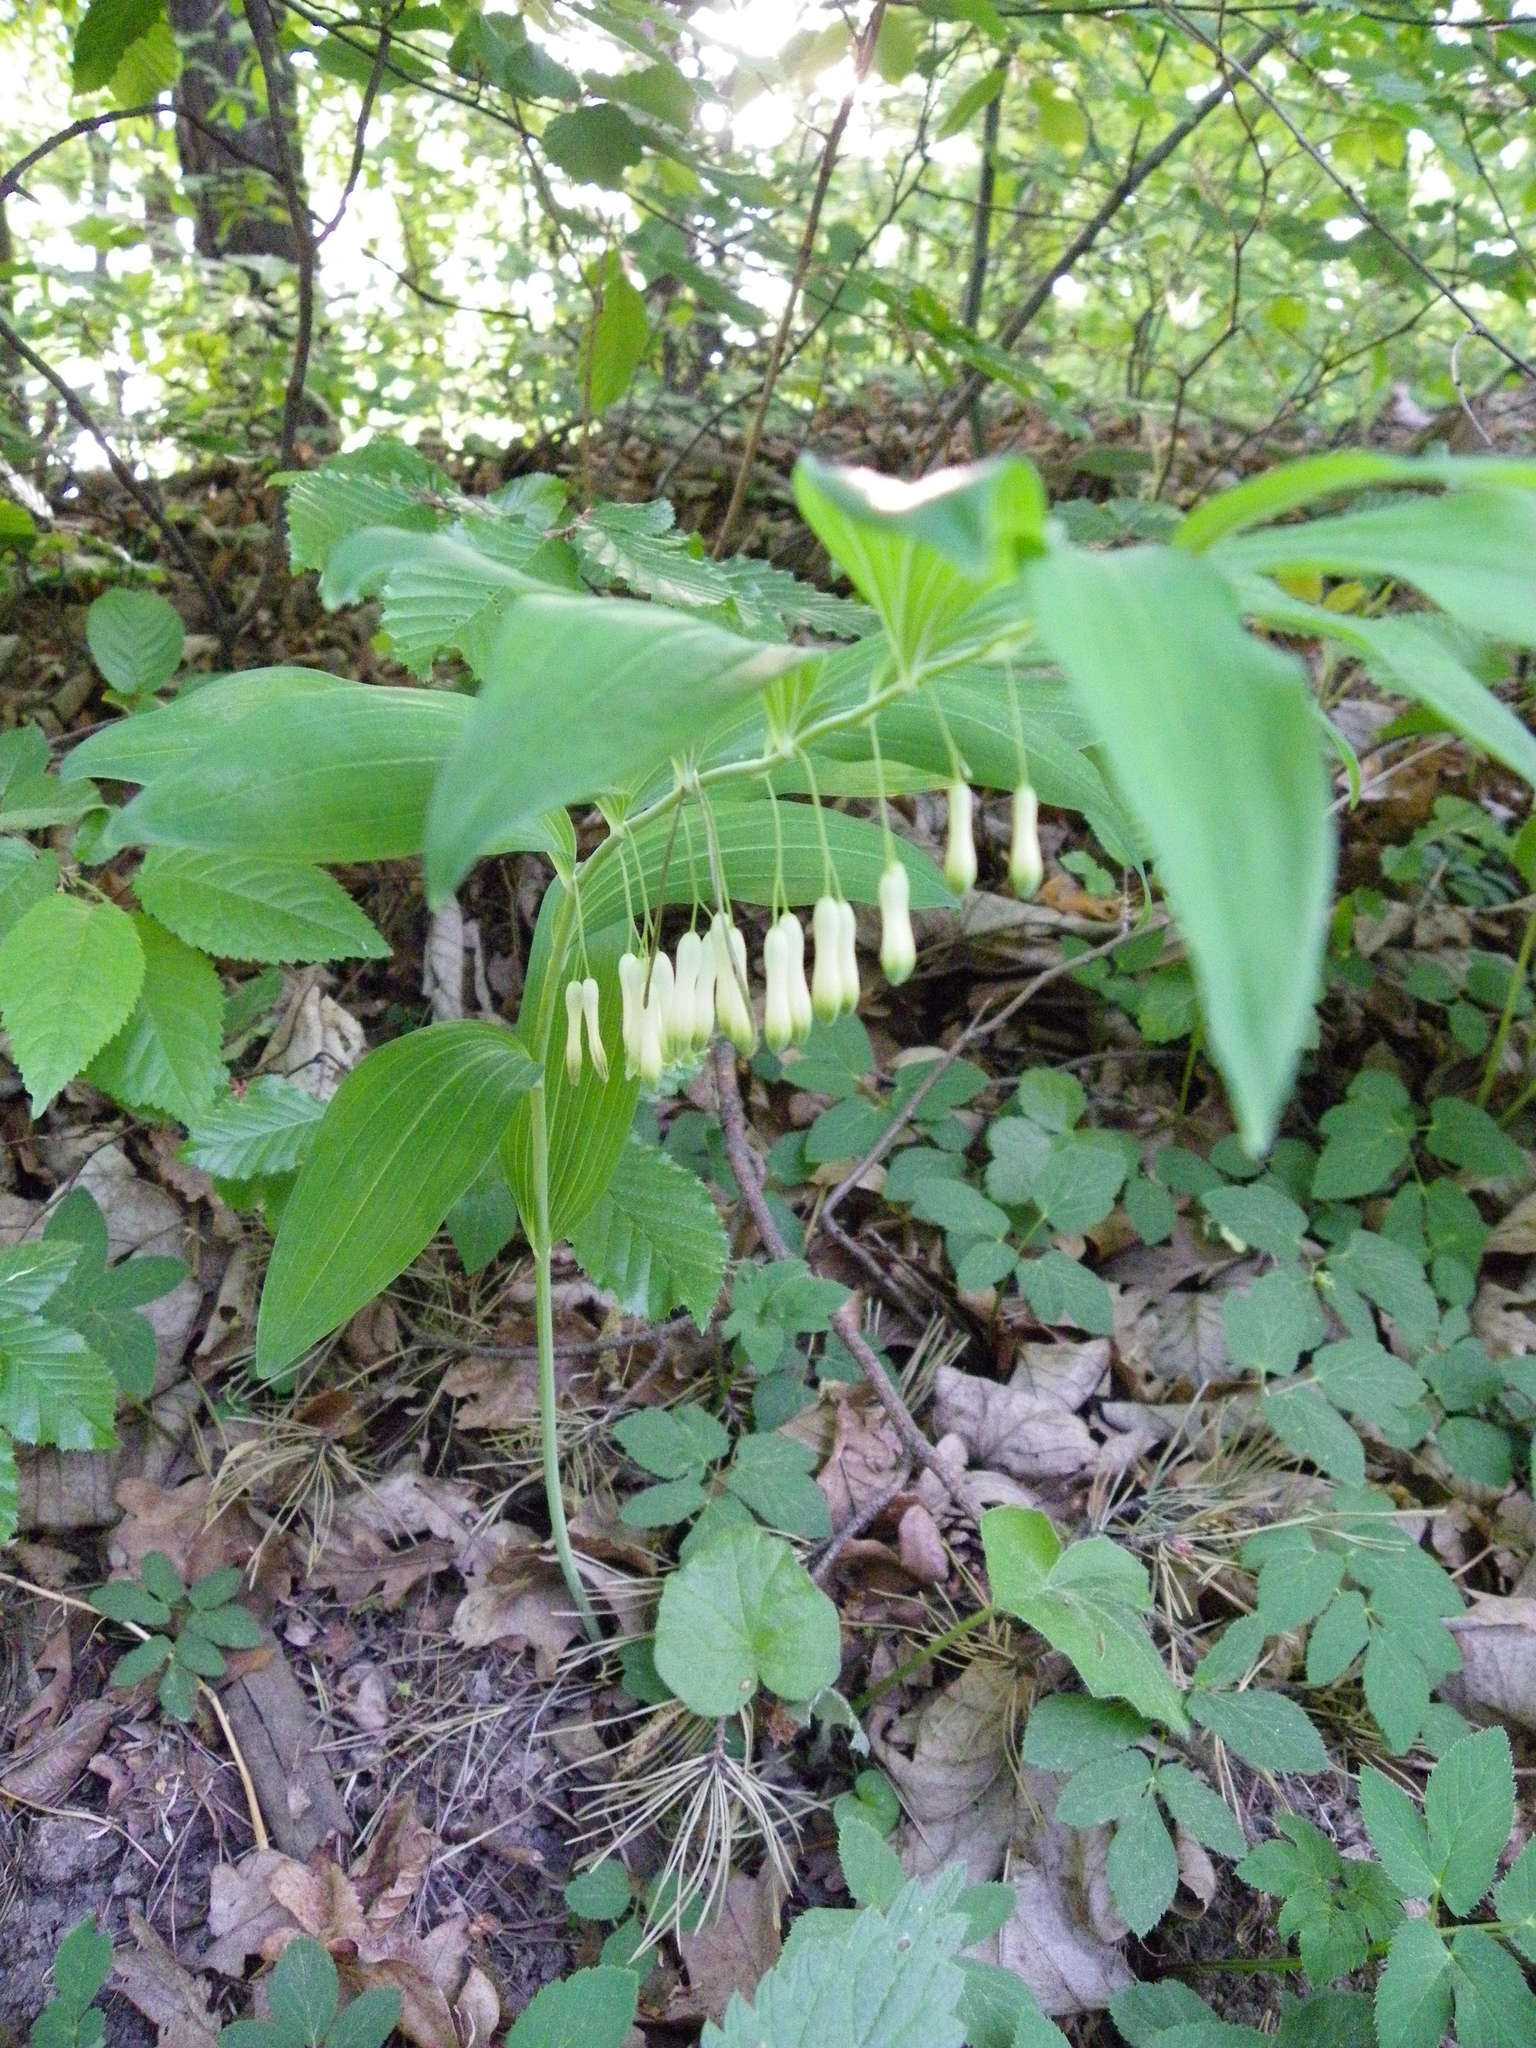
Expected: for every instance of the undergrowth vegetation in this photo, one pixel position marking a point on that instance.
(958, 1117)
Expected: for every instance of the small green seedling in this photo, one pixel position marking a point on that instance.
(304, 1998)
(70, 2019)
(190, 1628)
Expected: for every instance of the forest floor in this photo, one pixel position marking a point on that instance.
(416, 1758)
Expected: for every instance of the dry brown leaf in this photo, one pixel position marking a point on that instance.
(515, 1595)
(1066, 1375)
(1505, 1318)
(177, 1521)
(953, 1762)
(864, 1457)
(47, 1768)
(360, 1565)
(1515, 1232)
(921, 1546)
(742, 1943)
(173, 2001)
(316, 1041)
(396, 1860)
(1498, 1650)
(1010, 1429)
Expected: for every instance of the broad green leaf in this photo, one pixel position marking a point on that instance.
(385, 483)
(1079, 1182)
(968, 103)
(26, 877)
(588, 2009)
(637, 684)
(641, 547)
(342, 776)
(1396, 1685)
(98, 1300)
(70, 974)
(1342, 1632)
(595, 145)
(1269, 1326)
(670, 1442)
(1314, 1429)
(654, 1239)
(743, 1613)
(34, 1270)
(1143, 1868)
(1290, 485)
(30, 797)
(1469, 1809)
(744, 832)
(1087, 1601)
(53, 1389)
(601, 1892)
(365, 2021)
(483, 1221)
(617, 335)
(1464, 1135)
(106, 33)
(588, 1121)
(241, 906)
(926, 554)
(1295, 1587)
(167, 1055)
(1147, 2013)
(874, 1979)
(407, 1132)
(1212, 740)
(1065, 1731)
(268, 1129)
(1109, 1788)
(1370, 1135)
(1062, 1290)
(135, 639)
(1264, 1728)
(1469, 552)
(1398, 1836)
(1365, 1379)
(138, 749)
(304, 1990)
(871, 1868)
(1413, 1992)
(442, 592)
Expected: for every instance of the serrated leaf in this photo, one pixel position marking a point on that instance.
(600, 1893)
(31, 798)
(1314, 1429)
(304, 1990)
(1062, 1290)
(53, 1388)
(589, 2009)
(1268, 1327)
(1066, 1731)
(167, 1055)
(671, 1442)
(1514, 1899)
(1107, 1789)
(1142, 1868)
(1464, 1135)
(1391, 1277)
(239, 906)
(771, 1474)
(876, 1980)
(1263, 1728)
(743, 1613)
(135, 639)
(70, 974)
(406, 1133)
(871, 1868)
(654, 1238)
(1413, 1992)
(269, 1129)
(10, 1489)
(26, 877)
(1201, 1811)
(31, 1272)
(1258, 1216)
(107, 31)
(1469, 1810)
(1398, 1835)
(385, 483)
(127, 1600)
(366, 2021)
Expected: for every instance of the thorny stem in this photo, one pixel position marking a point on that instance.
(544, 1331)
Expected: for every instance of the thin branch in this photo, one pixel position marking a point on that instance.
(1126, 185)
(142, 494)
(865, 55)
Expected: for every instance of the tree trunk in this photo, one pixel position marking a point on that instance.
(236, 183)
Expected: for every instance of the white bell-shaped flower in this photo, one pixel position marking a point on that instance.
(594, 1027)
(573, 1032)
(960, 849)
(632, 996)
(1026, 868)
(801, 1014)
(848, 954)
(898, 948)
(662, 998)
(695, 996)
(732, 1001)
(827, 972)
(778, 1020)
(651, 1054)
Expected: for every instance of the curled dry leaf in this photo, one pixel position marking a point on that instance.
(316, 1042)
(515, 1596)
(1009, 1428)
(173, 2001)
(45, 1770)
(1068, 1375)
(921, 1546)
(1497, 1638)
(863, 1458)
(736, 1948)
(953, 1760)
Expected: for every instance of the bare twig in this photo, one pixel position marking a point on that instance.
(855, 1526)
(143, 495)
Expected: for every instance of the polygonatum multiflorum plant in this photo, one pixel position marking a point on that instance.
(714, 752)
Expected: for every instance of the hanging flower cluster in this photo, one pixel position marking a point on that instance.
(672, 1005)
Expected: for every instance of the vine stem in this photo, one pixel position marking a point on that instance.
(544, 1332)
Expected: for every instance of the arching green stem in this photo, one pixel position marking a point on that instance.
(544, 1332)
